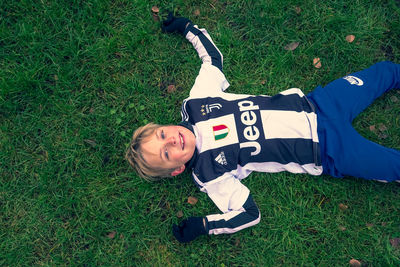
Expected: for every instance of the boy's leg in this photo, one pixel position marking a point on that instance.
(344, 151)
(348, 96)
(353, 155)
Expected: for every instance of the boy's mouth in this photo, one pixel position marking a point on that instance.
(182, 141)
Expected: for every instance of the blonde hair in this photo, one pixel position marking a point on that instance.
(135, 158)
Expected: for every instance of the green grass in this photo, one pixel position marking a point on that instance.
(77, 77)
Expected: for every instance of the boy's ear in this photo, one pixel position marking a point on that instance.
(178, 170)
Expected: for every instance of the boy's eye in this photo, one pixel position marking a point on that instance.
(162, 134)
(166, 153)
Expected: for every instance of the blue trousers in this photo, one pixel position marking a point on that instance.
(344, 151)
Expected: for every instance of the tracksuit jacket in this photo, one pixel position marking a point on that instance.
(237, 134)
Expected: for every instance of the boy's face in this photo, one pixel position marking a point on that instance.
(169, 147)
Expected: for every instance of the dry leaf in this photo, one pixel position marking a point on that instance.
(171, 88)
(179, 214)
(342, 228)
(298, 9)
(291, 46)
(350, 38)
(343, 207)
(56, 77)
(155, 9)
(369, 225)
(394, 98)
(197, 12)
(192, 200)
(111, 235)
(395, 242)
(317, 62)
(372, 128)
(355, 263)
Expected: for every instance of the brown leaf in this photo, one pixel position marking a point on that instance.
(179, 214)
(291, 46)
(394, 99)
(372, 128)
(342, 228)
(56, 77)
(192, 200)
(155, 9)
(350, 38)
(196, 12)
(369, 225)
(395, 242)
(111, 235)
(297, 9)
(355, 263)
(263, 82)
(317, 62)
(171, 88)
(343, 207)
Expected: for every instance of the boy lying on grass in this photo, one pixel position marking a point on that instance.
(223, 137)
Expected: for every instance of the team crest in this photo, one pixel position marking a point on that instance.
(205, 109)
(220, 132)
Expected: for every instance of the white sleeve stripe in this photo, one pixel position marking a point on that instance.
(227, 230)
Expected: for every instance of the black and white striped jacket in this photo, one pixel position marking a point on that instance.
(237, 134)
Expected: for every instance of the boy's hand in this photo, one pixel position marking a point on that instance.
(189, 229)
(172, 24)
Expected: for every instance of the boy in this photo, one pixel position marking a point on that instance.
(224, 137)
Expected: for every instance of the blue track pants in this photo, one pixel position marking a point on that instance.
(343, 150)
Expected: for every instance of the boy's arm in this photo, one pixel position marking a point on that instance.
(238, 207)
(211, 78)
(226, 223)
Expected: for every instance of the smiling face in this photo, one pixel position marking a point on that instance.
(169, 147)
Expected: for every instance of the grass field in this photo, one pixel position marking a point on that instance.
(77, 77)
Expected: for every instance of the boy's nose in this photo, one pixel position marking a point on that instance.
(171, 140)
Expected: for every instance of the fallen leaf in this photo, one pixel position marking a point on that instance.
(155, 9)
(171, 88)
(342, 228)
(297, 9)
(197, 12)
(179, 214)
(317, 62)
(343, 207)
(372, 128)
(355, 263)
(263, 82)
(395, 242)
(56, 77)
(350, 38)
(369, 225)
(192, 200)
(394, 98)
(111, 235)
(291, 46)
(90, 142)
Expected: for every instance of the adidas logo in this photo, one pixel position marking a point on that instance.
(221, 159)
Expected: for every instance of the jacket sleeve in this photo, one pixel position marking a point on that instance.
(211, 79)
(235, 220)
(234, 200)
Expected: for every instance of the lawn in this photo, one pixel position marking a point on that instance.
(76, 79)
